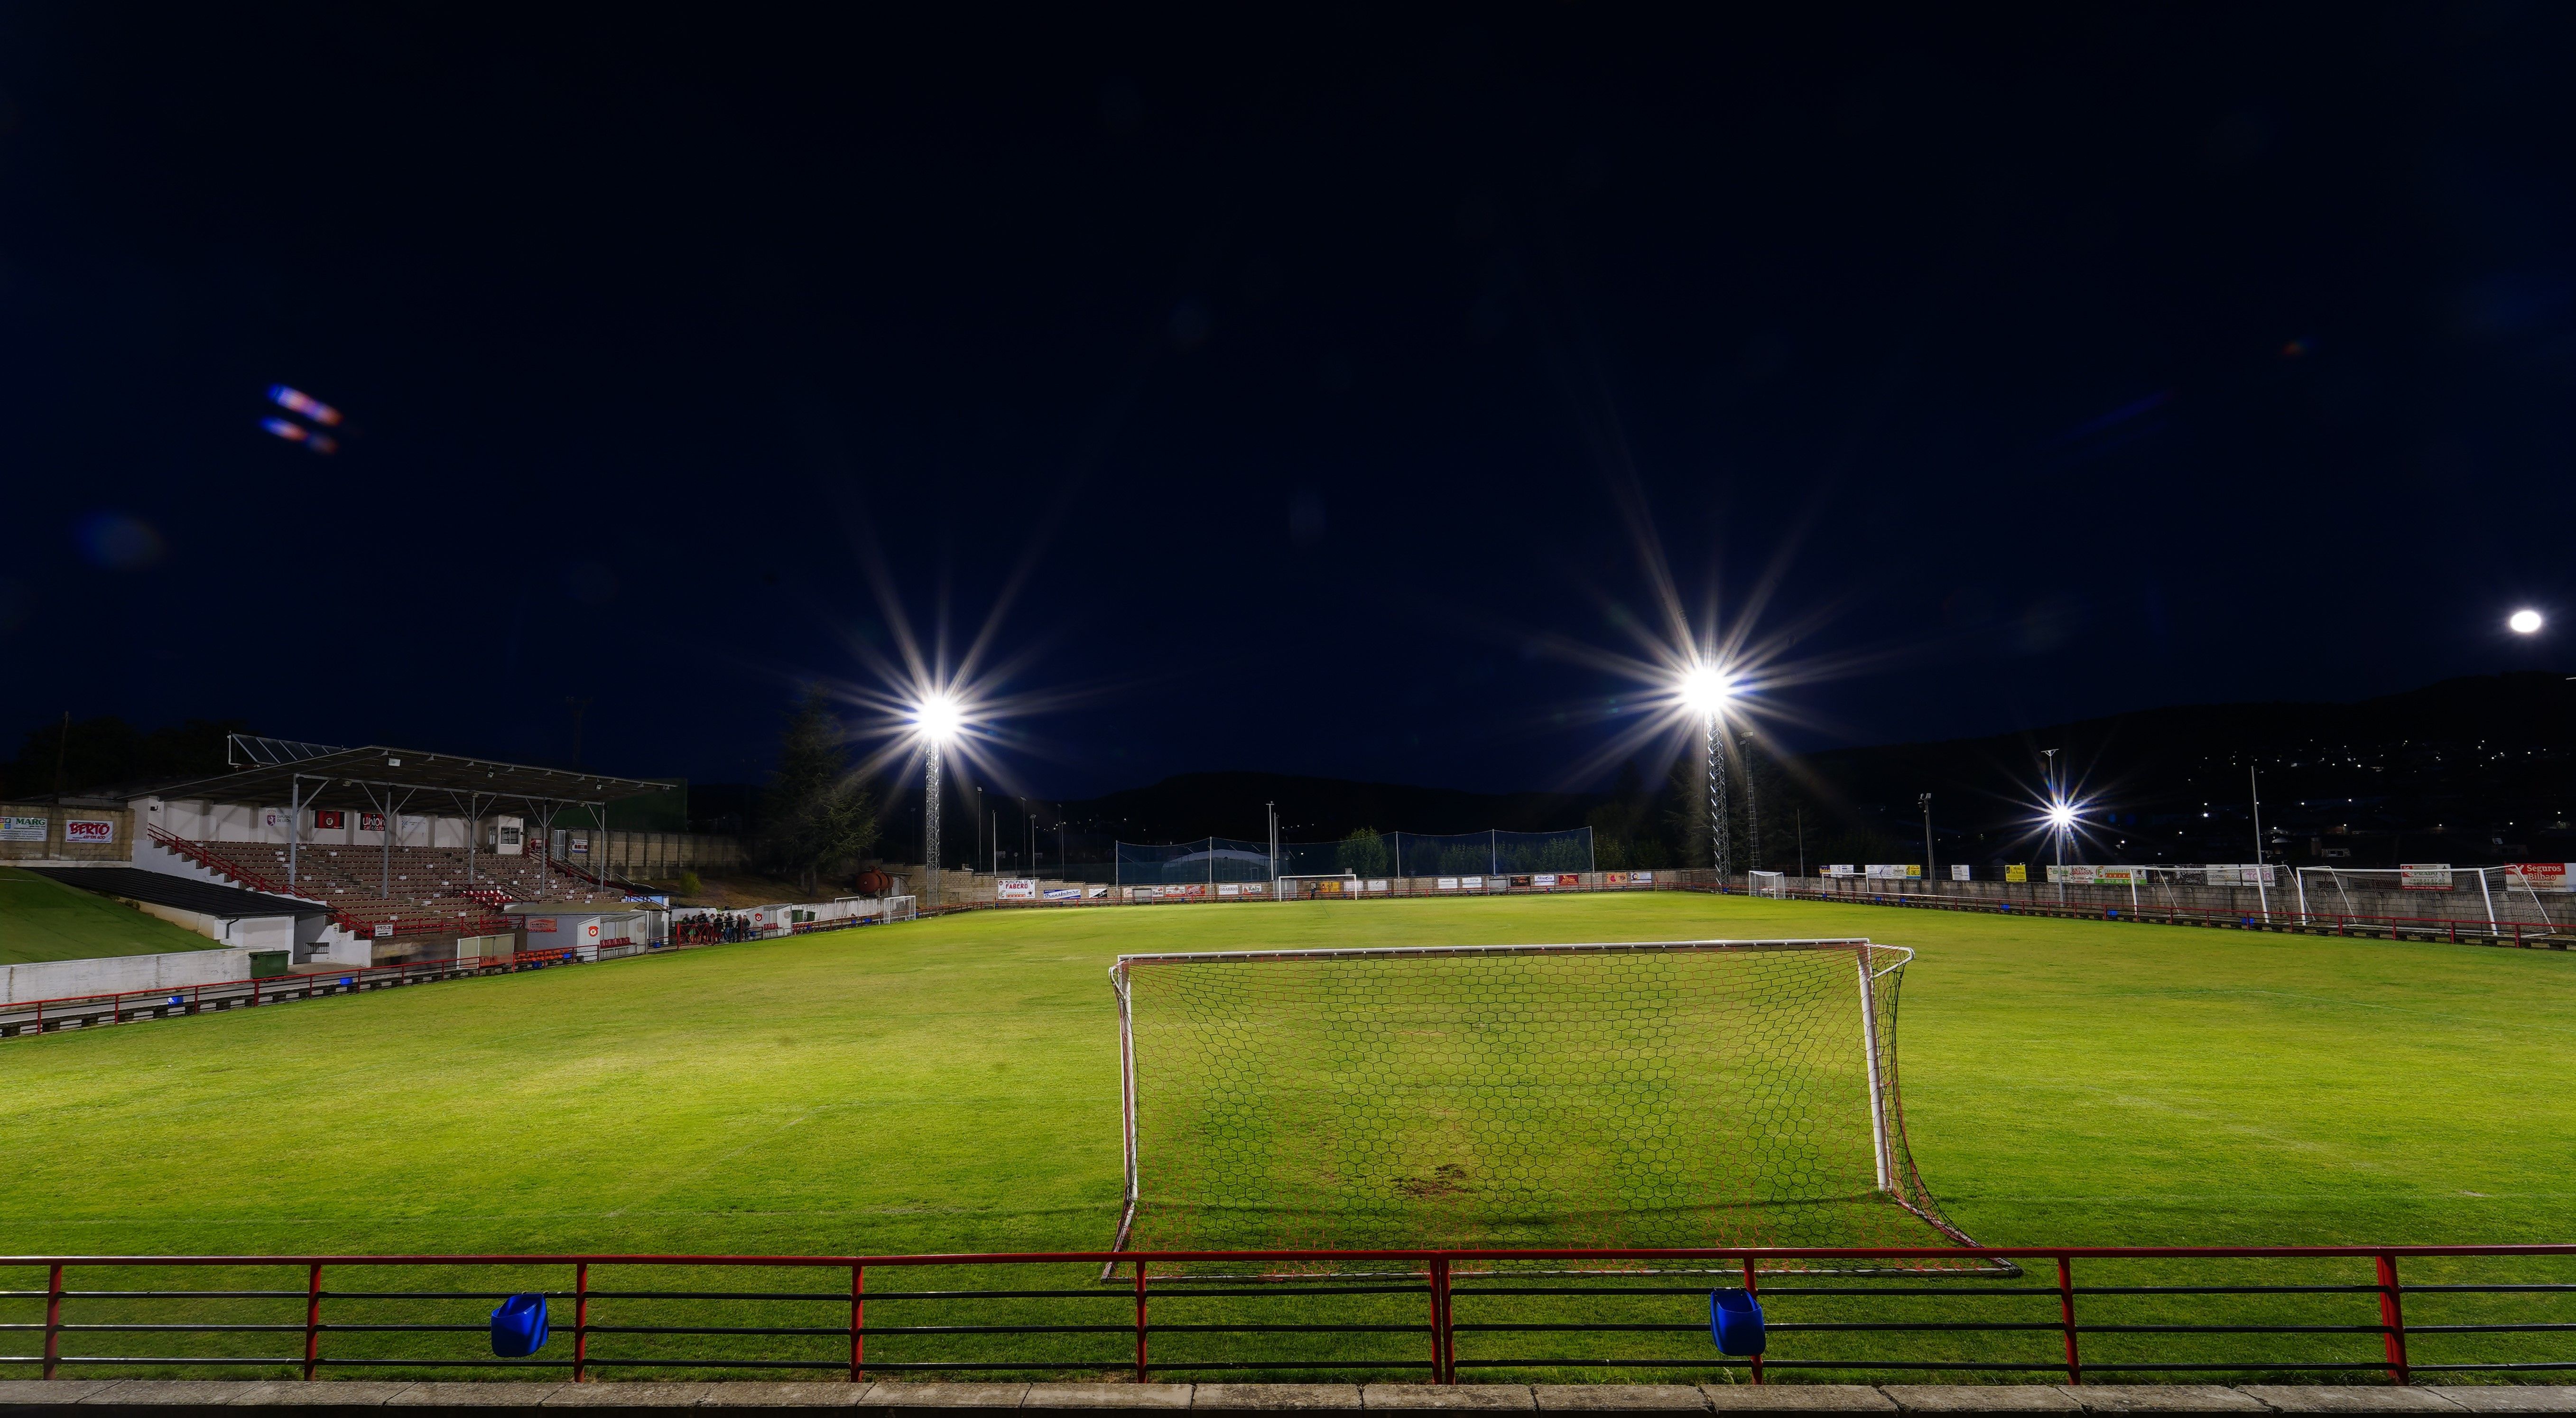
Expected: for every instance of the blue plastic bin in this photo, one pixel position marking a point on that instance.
(1735, 1322)
(519, 1326)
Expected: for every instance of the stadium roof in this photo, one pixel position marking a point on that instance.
(162, 889)
(378, 778)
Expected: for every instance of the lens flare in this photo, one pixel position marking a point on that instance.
(298, 402)
(2524, 622)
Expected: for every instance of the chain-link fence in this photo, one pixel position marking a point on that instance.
(1225, 859)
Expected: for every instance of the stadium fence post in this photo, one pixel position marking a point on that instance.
(1752, 1291)
(2392, 1318)
(312, 1319)
(1140, 1321)
(53, 1319)
(2066, 1318)
(1444, 1345)
(858, 1321)
(581, 1322)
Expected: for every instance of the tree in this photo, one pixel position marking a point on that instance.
(1364, 851)
(816, 813)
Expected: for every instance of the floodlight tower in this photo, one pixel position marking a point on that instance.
(935, 719)
(1707, 688)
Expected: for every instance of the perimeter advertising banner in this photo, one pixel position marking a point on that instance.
(1016, 889)
(2538, 876)
(88, 831)
(24, 829)
(2424, 876)
(2017, 872)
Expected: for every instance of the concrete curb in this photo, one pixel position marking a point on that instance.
(178, 1398)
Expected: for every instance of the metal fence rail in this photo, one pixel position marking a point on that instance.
(2070, 1312)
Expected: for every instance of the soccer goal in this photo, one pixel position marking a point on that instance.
(902, 908)
(1688, 1093)
(1320, 886)
(1767, 883)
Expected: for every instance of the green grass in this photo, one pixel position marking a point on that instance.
(953, 1085)
(42, 919)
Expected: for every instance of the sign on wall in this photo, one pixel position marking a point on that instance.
(24, 829)
(88, 831)
(371, 822)
(2017, 872)
(2424, 876)
(2539, 876)
(329, 821)
(541, 925)
(1958, 871)
(1016, 889)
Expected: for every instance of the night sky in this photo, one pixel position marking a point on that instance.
(1321, 375)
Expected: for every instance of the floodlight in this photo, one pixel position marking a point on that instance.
(1707, 688)
(2061, 815)
(2525, 622)
(938, 718)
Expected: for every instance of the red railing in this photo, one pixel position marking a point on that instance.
(1439, 1278)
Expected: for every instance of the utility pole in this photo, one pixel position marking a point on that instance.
(1270, 814)
(1924, 800)
(62, 745)
(1801, 815)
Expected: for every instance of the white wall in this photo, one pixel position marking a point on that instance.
(55, 979)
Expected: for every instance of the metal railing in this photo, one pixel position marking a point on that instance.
(2318, 1311)
(175, 1001)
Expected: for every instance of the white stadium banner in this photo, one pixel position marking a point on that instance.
(1016, 889)
(88, 831)
(25, 829)
(2541, 876)
(2424, 876)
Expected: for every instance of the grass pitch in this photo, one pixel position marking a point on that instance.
(42, 919)
(953, 1085)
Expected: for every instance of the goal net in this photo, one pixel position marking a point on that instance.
(1327, 886)
(1696, 1093)
(1767, 883)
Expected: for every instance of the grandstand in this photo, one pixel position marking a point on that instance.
(408, 850)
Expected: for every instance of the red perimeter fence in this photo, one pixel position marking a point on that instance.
(2307, 1311)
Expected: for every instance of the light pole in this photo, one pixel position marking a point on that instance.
(1752, 809)
(935, 719)
(1924, 801)
(2060, 818)
(1706, 689)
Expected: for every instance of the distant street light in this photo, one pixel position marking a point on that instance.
(2524, 622)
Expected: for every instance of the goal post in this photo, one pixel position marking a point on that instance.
(1320, 886)
(1767, 883)
(1594, 1096)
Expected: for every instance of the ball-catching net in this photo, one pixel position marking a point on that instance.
(1700, 1093)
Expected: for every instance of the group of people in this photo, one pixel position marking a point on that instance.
(713, 930)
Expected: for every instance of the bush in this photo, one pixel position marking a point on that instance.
(690, 885)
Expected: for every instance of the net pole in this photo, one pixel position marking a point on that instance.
(1126, 1107)
(2489, 898)
(1877, 1093)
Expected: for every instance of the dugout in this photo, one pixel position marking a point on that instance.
(586, 930)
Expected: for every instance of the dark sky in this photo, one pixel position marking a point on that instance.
(2069, 361)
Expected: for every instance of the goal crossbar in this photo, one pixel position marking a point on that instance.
(1489, 1095)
